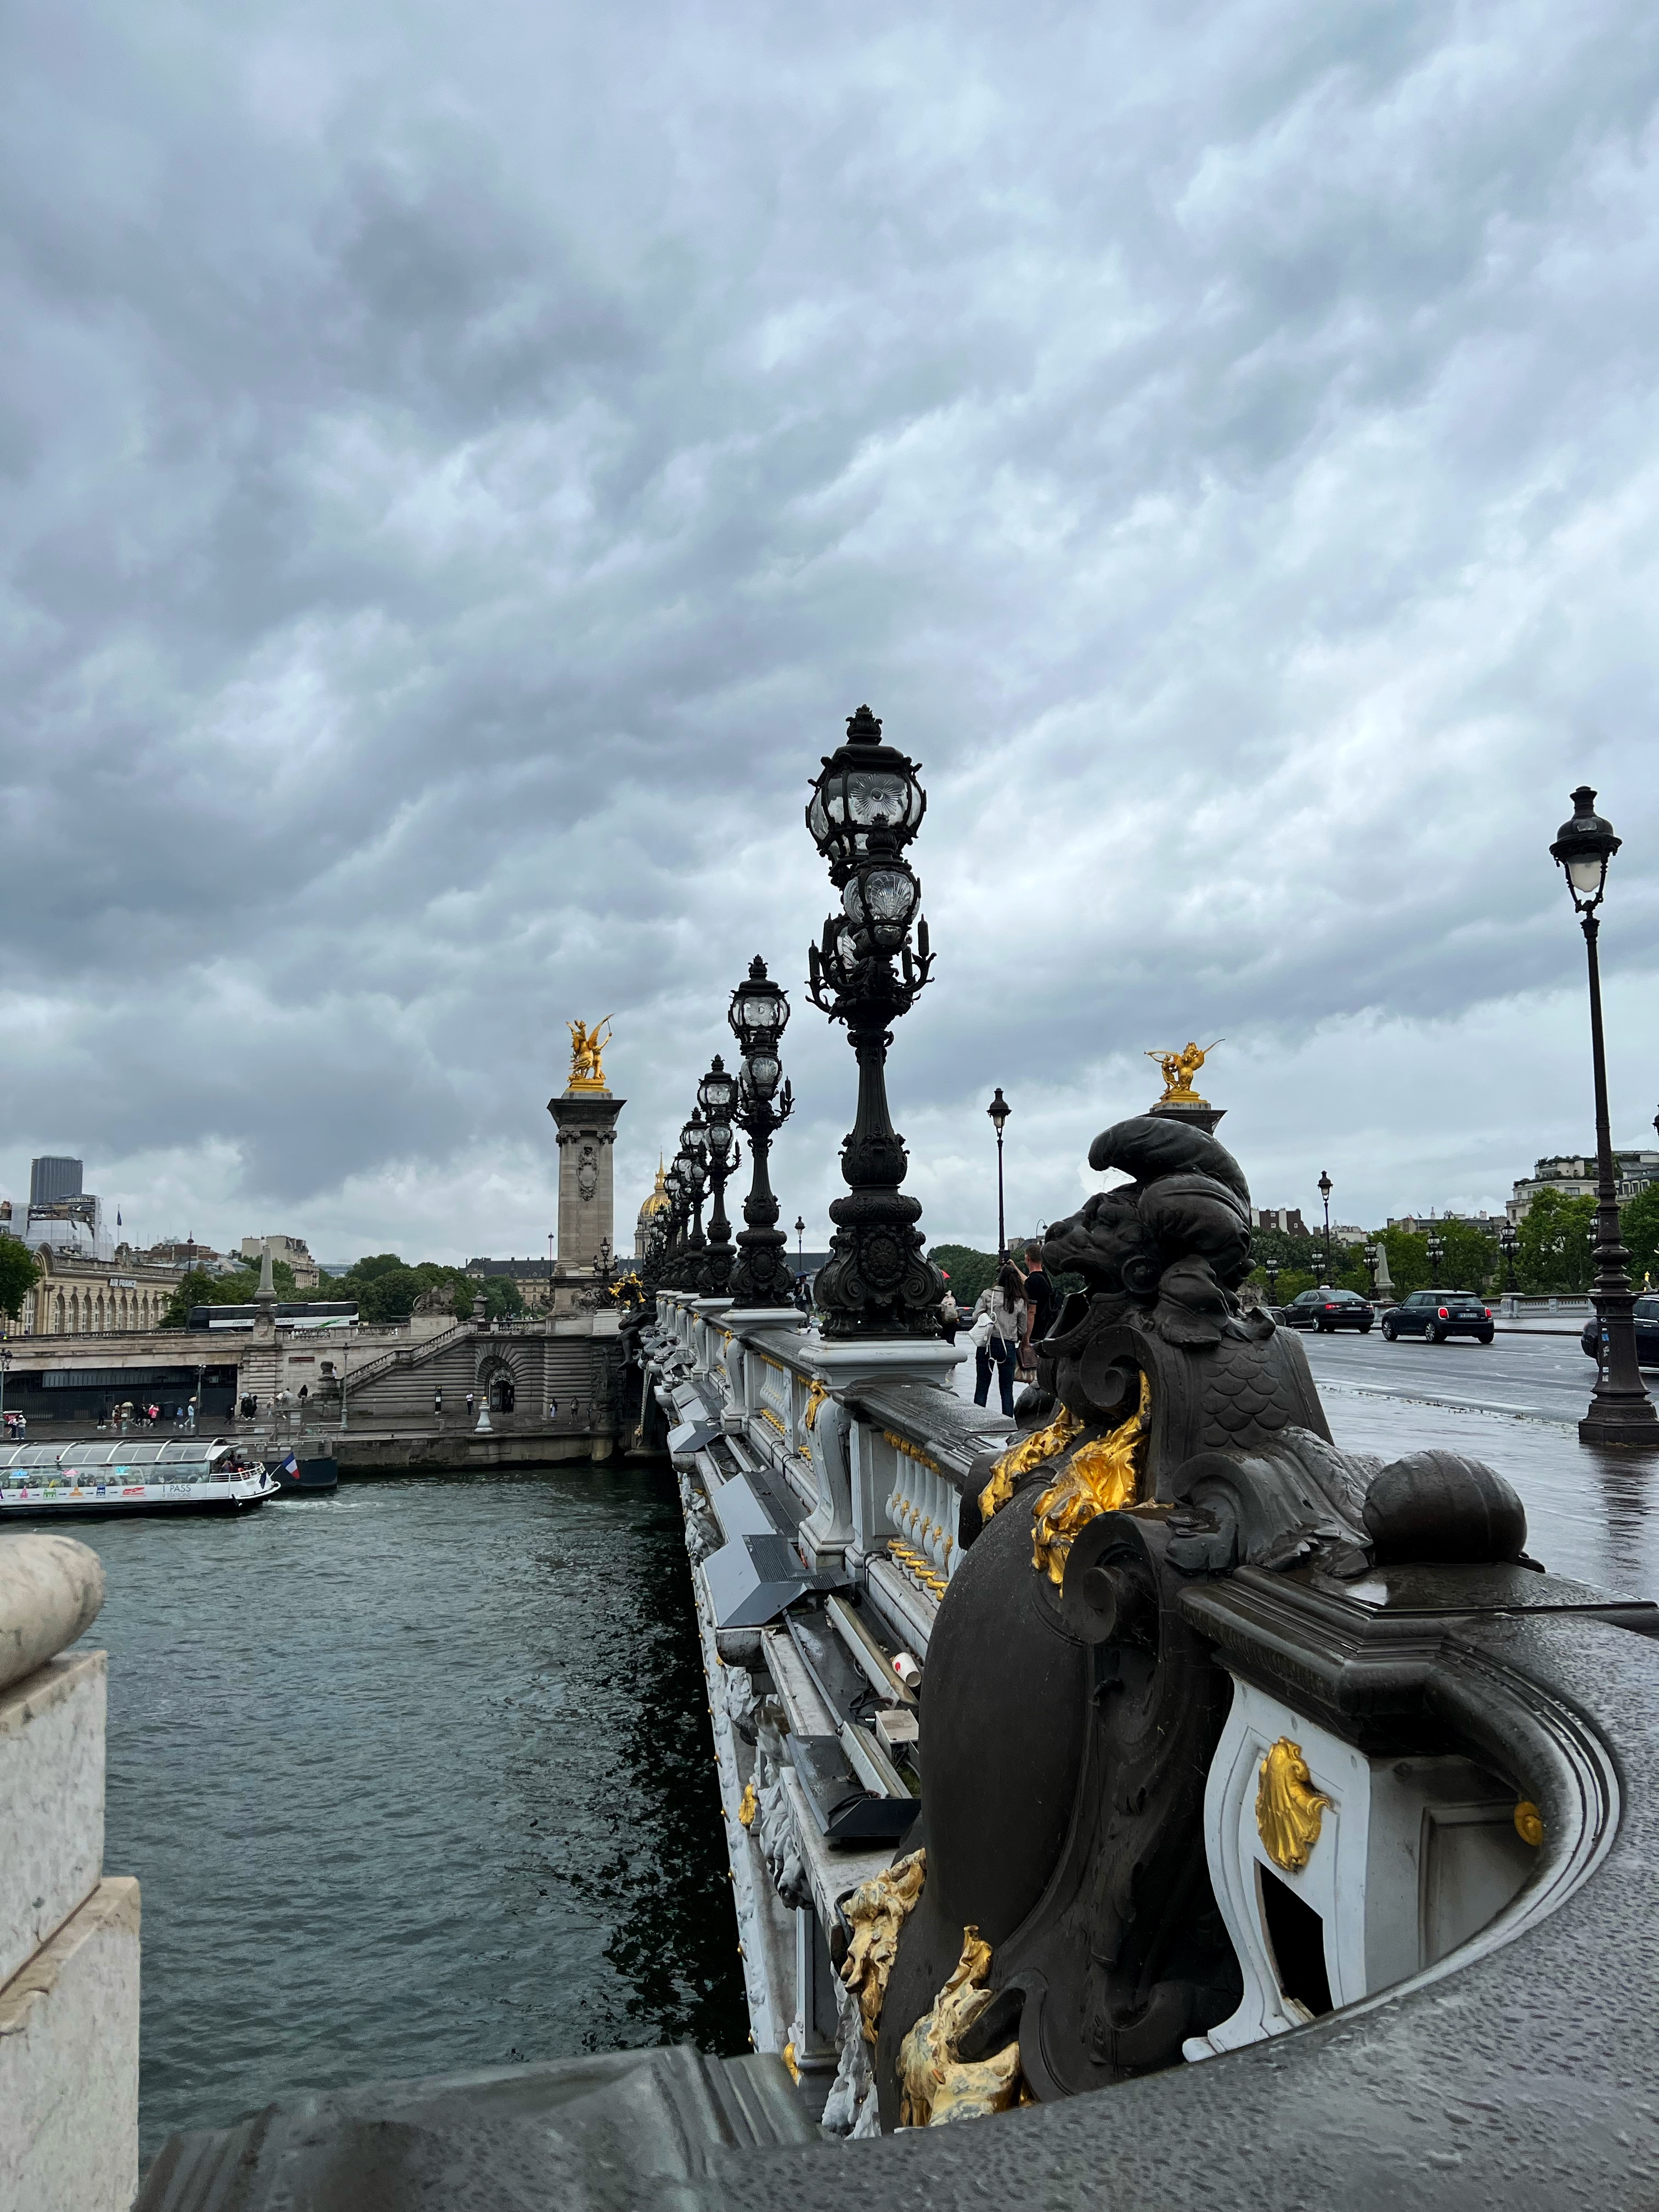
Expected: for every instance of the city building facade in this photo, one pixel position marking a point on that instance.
(292, 1250)
(1572, 1175)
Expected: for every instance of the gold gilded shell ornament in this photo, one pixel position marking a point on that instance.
(875, 1912)
(1102, 1477)
(1019, 1459)
(1289, 1810)
(937, 2087)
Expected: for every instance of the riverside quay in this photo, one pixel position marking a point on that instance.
(1143, 1801)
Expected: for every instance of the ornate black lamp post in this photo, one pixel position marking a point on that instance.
(1270, 1269)
(1437, 1254)
(693, 1164)
(1620, 1410)
(716, 1097)
(1508, 1244)
(1373, 1256)
(1000, 1109)
(866, 806)
(1326, 1186)
(759, 1013)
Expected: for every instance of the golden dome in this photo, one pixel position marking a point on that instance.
(659, 1198)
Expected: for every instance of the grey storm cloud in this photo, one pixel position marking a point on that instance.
(461, 464)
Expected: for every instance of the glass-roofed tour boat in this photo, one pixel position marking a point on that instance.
(191, 1475)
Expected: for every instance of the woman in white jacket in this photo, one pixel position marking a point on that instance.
(998, 1325)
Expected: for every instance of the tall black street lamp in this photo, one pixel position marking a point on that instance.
(1373, 1261)
(1508, 1244)
(1326, 1186)
(1620, 1410)
(866, 806)
(694, 1161)
(759, 1013)
(1270, 1269)
(717, 1095)
(1000, 1109)
(1436, 1244)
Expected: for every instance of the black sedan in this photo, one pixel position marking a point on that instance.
(1647, 1333)
(1326, 1311)
(1436, 1314)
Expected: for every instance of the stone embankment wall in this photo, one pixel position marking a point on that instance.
(69, 1934)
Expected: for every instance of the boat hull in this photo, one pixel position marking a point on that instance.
(139, 1497)
(317, 1477)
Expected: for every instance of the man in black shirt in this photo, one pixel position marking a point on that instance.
(1042, 1303)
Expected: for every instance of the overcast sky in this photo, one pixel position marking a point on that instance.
(463, 464)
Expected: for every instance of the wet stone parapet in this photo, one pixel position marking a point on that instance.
(69, 1935)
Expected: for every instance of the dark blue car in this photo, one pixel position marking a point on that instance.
(1436, 1314)
(1647, 1333)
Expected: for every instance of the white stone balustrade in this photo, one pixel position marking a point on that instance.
(69, 1934)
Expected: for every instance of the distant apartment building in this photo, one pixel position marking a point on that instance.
(55, 1176)
(1572, 1175)
(1287, 1219)
(292, 1250)
(1419, 1224)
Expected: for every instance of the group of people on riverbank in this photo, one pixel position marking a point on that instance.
(1010, 1318)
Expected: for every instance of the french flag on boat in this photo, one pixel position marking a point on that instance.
(290, 1465)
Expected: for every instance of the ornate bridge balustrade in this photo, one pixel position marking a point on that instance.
(1100, 1753)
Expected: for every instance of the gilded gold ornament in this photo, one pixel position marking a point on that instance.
(747, 1806)
(1030, 1451)
(586, 1045)
(875, 1912)
(1288, 1808)
(1528, 1823)
(817, 1392)
(936, 2086)
(1102, 1477)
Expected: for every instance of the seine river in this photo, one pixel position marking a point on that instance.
(415, 1778)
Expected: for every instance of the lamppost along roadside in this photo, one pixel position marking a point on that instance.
(717, 1095)
(1437, 1254)
(1270, 1269)
(1326, 1186)
(1000, 1109)
(1620, 1410)
(866, 806)
(1373, 1255)
(801, 1244)
(5, 1365)
(759, 1014)
(1508, 1243)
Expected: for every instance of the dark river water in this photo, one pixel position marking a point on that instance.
(415, 1778)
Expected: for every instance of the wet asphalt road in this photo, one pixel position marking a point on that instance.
(1546, 1377)
(1515, 1403)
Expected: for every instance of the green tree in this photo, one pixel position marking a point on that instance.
(1639, 1221)
(970, 1272)
(198, 1288)
(19, 1271)
(1556, 1241)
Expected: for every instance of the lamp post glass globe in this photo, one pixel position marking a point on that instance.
(866, 798)
(1583, 846)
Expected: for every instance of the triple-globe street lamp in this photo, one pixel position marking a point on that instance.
(1326, 1186)
(716, 1097)
(759, 1013)
(1508, 1244)
(866, 806)
(1437, 1245)
(1620, 1410)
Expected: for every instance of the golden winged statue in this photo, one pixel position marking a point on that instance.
(586, 1067)
(1179, 1069)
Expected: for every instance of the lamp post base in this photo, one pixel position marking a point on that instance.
(1625, 1422)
